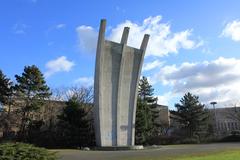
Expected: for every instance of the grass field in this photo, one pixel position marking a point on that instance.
(218, 151)
(224, 155)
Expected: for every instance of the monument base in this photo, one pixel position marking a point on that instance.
(119, 148)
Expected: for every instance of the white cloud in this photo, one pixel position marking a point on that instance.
(61, 64)
(217, 80)
(152, 65)
(55, 27)
(232, 30)
(87, 38)
(85, 81)
(60, 26)
(165, 98)
(162, 40)
(20, 28)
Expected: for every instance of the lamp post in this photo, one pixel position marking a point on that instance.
(215, 114)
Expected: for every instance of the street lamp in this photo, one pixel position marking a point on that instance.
(215, 114)
(213, 103)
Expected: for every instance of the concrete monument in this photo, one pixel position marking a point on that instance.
(117, 72)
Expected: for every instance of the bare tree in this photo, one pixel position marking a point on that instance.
(57, 102)
(76, 120)
(233, 112)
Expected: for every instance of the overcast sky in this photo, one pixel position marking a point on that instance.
(194, 45)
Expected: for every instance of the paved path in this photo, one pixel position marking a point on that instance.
(164, 151)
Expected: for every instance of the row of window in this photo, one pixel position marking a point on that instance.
(226, 126)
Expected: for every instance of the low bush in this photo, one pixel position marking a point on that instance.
(21, 151)
(209, 139)
(236, 132)
(189, 141)
(231, 138)
(163, 140)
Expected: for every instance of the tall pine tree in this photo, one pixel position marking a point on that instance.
(32, 91)
(190, 114)
(6, 99)
(6, 89)
(146, 112)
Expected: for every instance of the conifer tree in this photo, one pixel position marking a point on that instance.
(146, 112)
(75, 123)
(6, 99)
(190, 114)
(6, 89)
(32, 91)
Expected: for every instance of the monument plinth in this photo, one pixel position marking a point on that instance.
(117, 72)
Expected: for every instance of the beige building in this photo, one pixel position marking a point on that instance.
(49, 112)
(164, 115)
(226, 120)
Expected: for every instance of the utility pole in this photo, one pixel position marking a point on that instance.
(215, 115)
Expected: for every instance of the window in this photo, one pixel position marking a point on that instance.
(222, 126)
(236, 125)
(1, 107)
(219, 126)
(228, 125)
(232, 126)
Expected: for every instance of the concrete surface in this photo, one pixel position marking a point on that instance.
(119, 148)
(117, 72)
(163, 152)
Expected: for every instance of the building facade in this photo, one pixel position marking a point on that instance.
(226, 120)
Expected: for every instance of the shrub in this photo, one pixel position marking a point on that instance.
(236, 132)
(231, 138)
(209, 139)
(163, 140)
(189, 141)
(21, 151)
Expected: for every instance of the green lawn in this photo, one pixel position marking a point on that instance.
(224, 155)
(217, 151)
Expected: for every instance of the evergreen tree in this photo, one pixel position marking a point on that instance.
(191, 115)
(75, 124)
(146, 112)
(32, 91)
(6, 99)
(6, 89)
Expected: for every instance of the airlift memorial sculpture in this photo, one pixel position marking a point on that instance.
(117, 71)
